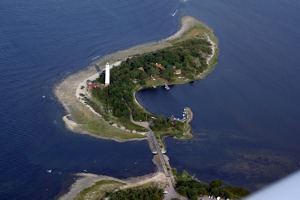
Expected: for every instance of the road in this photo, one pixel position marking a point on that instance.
(170, 188)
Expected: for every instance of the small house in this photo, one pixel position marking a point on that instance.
(160, 66)
(177, 72)
(91, 84)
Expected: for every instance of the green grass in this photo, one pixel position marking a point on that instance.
(99, 127)
(112, 119)
(237, 192)
(143, 186)
(98, 190)
(185, 134)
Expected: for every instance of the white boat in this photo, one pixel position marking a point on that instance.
(166, 87)
(174, 13)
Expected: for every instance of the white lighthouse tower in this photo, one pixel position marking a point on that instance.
(107, 75)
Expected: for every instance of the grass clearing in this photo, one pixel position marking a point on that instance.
(98, 126)
(98, 190)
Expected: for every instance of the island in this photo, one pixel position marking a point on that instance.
(100, 101)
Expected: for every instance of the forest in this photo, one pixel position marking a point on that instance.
(191, 188)
(180, 62)
(151, 193)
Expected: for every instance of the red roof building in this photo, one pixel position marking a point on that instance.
(160, 66)
(91, 84)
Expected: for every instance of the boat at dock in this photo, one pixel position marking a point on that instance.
(166, 87)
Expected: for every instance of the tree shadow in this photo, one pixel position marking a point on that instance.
(98, 69)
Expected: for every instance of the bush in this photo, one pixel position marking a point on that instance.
(151, 193)
(143, 82)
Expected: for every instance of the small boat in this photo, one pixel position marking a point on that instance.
(166, 87)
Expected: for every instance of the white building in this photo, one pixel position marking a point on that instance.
(107, 75)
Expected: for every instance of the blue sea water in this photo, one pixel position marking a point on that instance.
(247, 111)
(248, 105)
(42, 42)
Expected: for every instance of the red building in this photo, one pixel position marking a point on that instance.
(91, 84)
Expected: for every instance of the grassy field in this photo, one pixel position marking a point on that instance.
(98, 126)
(98, 190)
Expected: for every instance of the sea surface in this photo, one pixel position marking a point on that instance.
(246, 111)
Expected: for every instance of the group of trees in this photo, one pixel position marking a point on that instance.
(187, 186)
(189, 56)
(161, 123)
(192, 189)
(151, 193)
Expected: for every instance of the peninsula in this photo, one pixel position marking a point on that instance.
(111, 111)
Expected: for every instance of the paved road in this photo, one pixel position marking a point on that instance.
(170, 189)
(159, 153)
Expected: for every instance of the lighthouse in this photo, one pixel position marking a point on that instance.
(107, 75)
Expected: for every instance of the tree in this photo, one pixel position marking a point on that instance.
(216, 183)
(143, 82)
(192, 192)
(182, 190)
(143, 75)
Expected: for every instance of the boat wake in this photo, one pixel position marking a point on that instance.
(174, 13)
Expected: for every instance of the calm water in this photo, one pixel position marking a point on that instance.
(247, 107)
(247, 111)
(41, 43)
